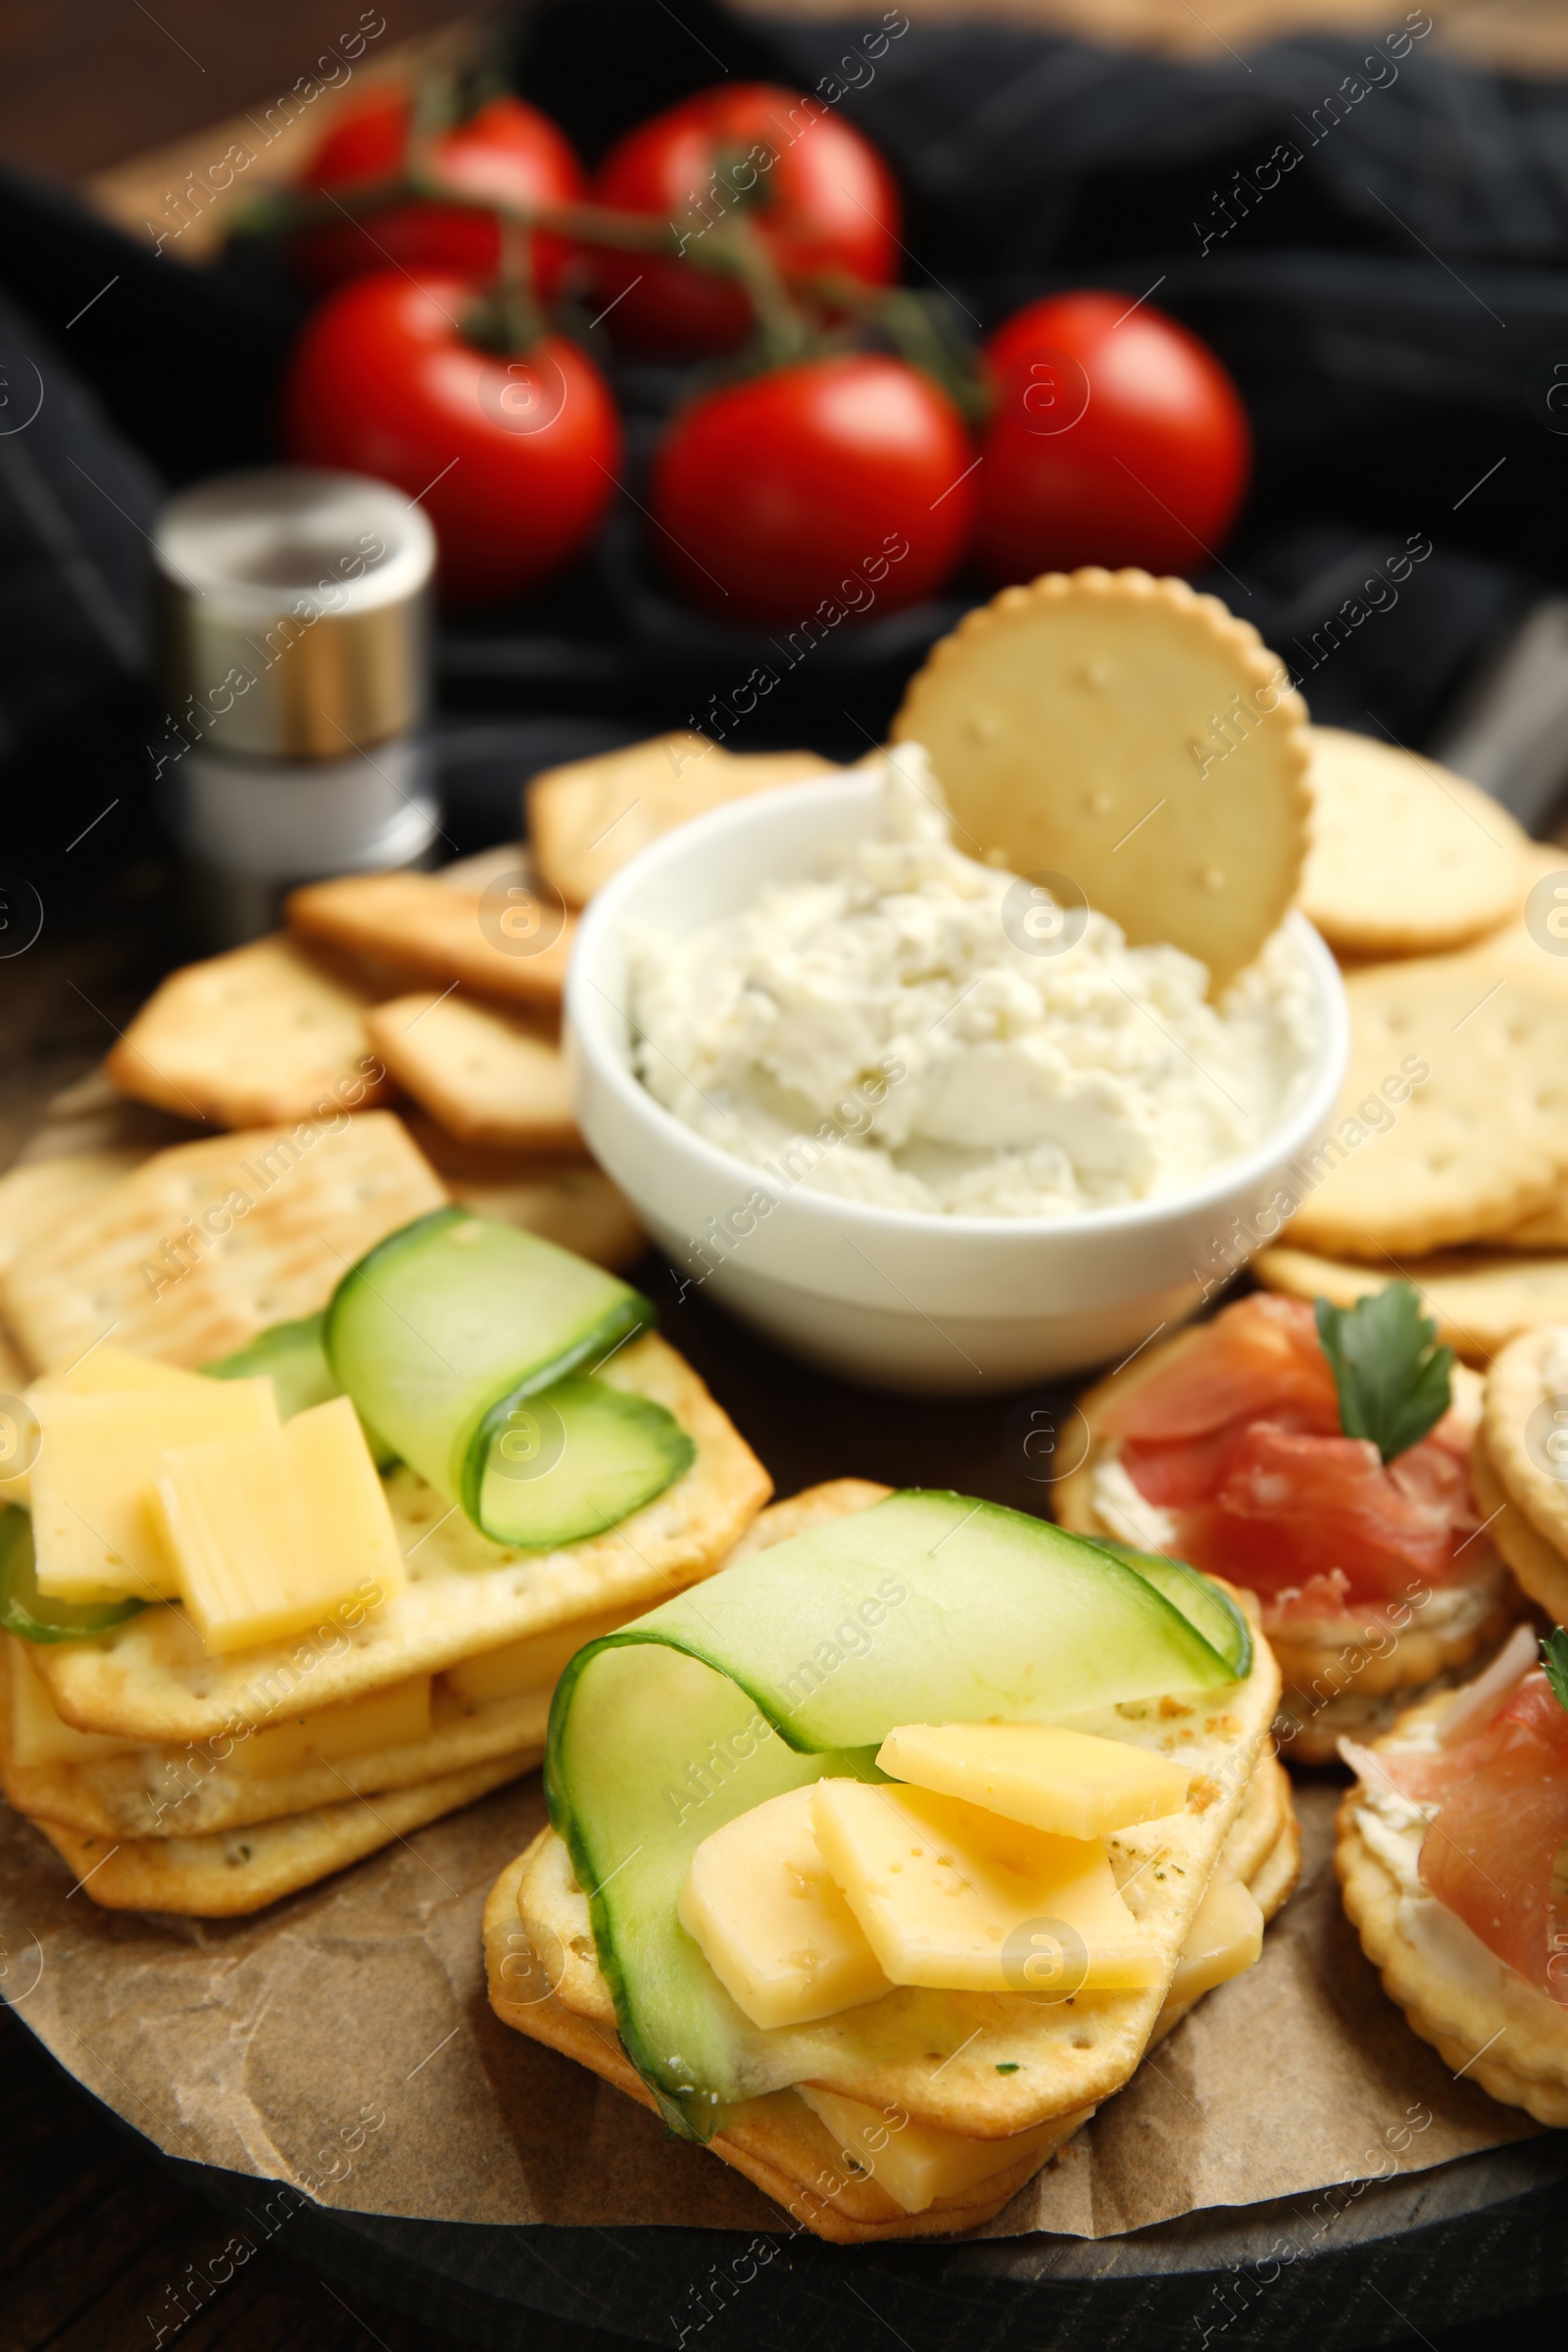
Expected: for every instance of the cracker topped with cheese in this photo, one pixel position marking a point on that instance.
(919, 1812)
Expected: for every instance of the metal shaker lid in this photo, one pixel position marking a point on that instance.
(294, 611)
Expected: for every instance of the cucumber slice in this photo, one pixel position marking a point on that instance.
(293, 1357)
(575, 1459)
(1213, 1612)
(25, 1610)
(796, 1663)
(453, 1318)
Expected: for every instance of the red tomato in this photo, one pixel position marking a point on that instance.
(1110, 443)
(826, 202)
(839, 478)
(507, 150)
(514, 459)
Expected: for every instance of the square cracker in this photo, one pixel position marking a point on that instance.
(489, 1077)
(400, 929)
(205, 1245)
(249, 1039)
(193, 1791)
(230, 1873)
(586, 819)
(150, 1679)
(566, 1201)
(1083, 2053)
(38, 1193)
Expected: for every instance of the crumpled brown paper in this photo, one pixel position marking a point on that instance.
(342, 2042)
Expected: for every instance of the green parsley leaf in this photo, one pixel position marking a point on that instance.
(1554, 1658)
(1011, 2065)
(1393, 1379)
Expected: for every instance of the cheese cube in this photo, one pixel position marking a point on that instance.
(1073, 1783)
(950, 1895)
(535, 1662)
(915, 2163)
(397, 1717)
(105, 1369)
(94, 1533)
(1225, 1938)
(268, 1532)
(37, 1735)
(772, 1924)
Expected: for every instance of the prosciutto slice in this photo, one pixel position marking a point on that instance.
(1238, 1437)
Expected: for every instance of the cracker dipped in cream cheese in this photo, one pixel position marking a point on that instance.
(958, 1043)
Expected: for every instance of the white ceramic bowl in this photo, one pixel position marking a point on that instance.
(902, 1300)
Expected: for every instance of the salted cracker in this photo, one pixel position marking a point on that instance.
(937, 2055)
(1453, 1122)
(586, 819)
(38, 1193)
(206, 1243)
(1541, 1569)
(1478, 1298)
(489, 1077)
(1525, 1426)
(510, 940)
(192, 1790)
(230, 1873)
(1486, 2022)
(539, 1943)
(1132, 737)
(150, 1679)
(1408, 858)
(252, 1038)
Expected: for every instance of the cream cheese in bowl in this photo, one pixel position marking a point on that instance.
(971, 1043)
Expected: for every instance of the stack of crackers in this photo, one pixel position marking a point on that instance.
(1446, 1163)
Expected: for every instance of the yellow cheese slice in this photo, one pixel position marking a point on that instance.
(1225, 1938)
(770, 1921)
(269, 1532)
(535, 1662)
(397, 1717)
(92, 1485)
(105, 1369)
(915, 2163)
(1073, 1783)
(952, 1895)
(102, 1369)
(37, 1735)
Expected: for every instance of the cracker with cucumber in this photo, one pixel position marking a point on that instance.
(878, 1864)
(267, 1614)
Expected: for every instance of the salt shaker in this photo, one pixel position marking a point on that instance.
(293, 609)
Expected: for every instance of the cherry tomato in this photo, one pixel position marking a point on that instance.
(841, 478)
(1117, 438)
(512, 459)
(507, 150)
(819, 194)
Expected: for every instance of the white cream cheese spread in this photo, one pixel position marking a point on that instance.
(967, 1050)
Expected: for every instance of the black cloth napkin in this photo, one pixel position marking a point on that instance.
(1393, 302)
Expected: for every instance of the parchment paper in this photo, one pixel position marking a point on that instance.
(342, 2042)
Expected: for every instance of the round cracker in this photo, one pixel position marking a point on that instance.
(1130, 735)
(1337, 1675)
(1482, 1141)
(1540, 1567)
(1515, 1395)
(1506, 2036)
(1406, 857)
(1480, 1300)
